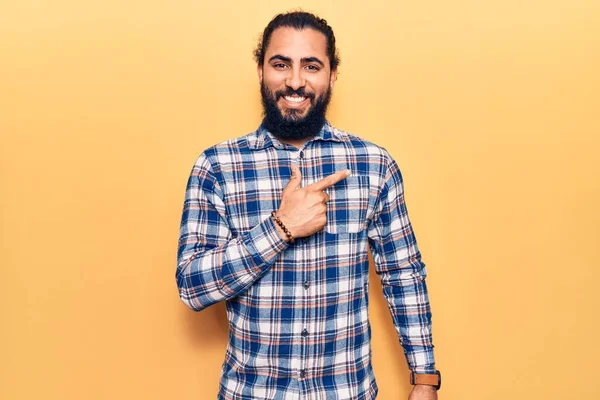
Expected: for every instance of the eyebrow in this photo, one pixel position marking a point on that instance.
(302, 60)
(312, 59)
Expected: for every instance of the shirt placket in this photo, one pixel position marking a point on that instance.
(305, 283)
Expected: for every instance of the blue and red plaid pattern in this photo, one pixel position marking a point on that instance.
(298, 313)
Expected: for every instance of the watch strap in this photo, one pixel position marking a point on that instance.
(426, 379)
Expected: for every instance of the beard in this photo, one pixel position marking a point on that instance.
(289, 124)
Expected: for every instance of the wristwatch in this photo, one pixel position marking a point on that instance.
(427, 379)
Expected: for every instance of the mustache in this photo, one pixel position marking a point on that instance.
(290, 92)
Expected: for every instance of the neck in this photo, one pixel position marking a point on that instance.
(297, 143)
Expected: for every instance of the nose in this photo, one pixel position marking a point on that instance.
(295, 79)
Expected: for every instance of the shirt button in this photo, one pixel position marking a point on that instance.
(303, 373)
(306, 285)
(301, 154)
(304, 333)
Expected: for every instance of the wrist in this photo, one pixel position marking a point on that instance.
(281, 228)
(280, 232)
(426, 387)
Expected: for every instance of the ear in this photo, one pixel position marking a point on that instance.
(332, 78)
(259, 70)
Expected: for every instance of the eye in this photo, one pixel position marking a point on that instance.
(313, 68)
(279, 66)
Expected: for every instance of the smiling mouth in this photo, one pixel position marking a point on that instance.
(295, 99)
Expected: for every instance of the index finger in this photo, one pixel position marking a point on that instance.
(329, 181)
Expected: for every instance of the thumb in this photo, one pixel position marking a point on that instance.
(295, 180)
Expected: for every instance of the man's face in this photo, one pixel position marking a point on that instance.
(296, 82)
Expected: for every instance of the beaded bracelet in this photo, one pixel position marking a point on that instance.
(278, 221)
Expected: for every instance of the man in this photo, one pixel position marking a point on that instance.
(277, 224)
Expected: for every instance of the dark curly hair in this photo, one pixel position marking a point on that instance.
(298, 20)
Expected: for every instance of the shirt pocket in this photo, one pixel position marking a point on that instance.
(347, 205)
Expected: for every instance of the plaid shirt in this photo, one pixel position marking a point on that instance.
(298, 313)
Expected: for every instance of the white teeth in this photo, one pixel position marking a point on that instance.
(294, 99)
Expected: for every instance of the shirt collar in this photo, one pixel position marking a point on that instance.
(262, 138)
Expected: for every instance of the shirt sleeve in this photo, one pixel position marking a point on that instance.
(398, 263)
(212, 265)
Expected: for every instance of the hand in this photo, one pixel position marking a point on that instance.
(423, 392)
(303, 211)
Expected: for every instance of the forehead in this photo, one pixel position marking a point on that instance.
(297, 44)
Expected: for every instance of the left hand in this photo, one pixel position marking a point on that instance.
(423, 392)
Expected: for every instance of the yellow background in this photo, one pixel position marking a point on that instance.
(490, 108)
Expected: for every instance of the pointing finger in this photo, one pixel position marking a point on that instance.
(329, 180)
